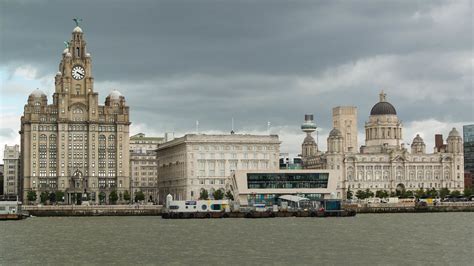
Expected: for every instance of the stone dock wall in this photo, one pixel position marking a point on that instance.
(117, 210)
(155, 210)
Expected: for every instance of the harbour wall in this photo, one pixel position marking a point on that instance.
(105, 210)
(156, 210)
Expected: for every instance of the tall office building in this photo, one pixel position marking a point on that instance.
(11, 164)
(74, 144)
(143, 166)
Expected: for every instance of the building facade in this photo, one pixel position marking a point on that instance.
(74, 144)
(345, 120)
(197, 161)
(11, 171)
(265, 187)
(468, 135)
(143, 166)
(383, 163)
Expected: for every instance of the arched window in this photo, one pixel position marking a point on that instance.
(43, 137)
(78, 52)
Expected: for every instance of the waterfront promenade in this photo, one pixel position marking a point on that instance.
(156, 210)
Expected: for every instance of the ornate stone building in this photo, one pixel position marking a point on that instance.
(383, 163)
(197, 161)
(74, 144)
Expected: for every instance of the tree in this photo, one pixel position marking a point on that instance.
(381, 194)
(52, 197)
(349, 194)
(420, 193)
(467, 192)
(218, 194)
(126, 196)
(432, 193)
(113, 197)
(408, 193)
(139, 196)
(44, 197)
(203, 195)
(393, 194)
(228, 195)
(455, 193)
(31, 196)
(361, 194)
(369, 194)
(102, 196)
(444, 192)
(59, 196)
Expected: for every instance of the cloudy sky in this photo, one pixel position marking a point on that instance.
(255, 61)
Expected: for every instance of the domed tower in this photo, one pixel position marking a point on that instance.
(383, 130)
(454, 140)
(418, 145)
(335, 141)
(309, 147)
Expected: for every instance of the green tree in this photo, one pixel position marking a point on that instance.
(408, 193)
(361, 194)
(126, 196)
(139, 196)
(102, 196)
(381, 194)
(420, 193)
(31, 196)
(444, 192)
(203, 195)
(455, 193)
(369, 193)
(349, 194)
(467, 192)
(113, 197)
(393, 194)
(432, 193)
(228, 195)
(52, 197)
(218, 194)
(44, 197)
(59, 196)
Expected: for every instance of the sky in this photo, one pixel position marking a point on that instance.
(177, 62)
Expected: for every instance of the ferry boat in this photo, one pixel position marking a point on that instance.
(11, 210)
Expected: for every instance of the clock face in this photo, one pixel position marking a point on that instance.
(78, 72)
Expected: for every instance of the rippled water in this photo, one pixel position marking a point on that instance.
(395, 239)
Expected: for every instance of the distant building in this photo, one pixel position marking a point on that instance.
(11, 165)
(197, 161)
(143, 166)
(345, 120)
(1, 179)
(383, 163)
(288, 162)
(468, 135)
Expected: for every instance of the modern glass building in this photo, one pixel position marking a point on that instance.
(468, 137)
(252, 187)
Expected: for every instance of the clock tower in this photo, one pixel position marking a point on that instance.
(75, 145)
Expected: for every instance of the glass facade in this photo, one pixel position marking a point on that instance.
(287, 180)
(468, 134)
(272, 199)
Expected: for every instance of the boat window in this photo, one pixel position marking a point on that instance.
(216, 207)
(204, 207)
(174, 207)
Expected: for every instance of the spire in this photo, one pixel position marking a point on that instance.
(382, 96)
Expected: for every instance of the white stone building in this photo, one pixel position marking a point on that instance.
(383, 163)
(197, 161)
(11, 163)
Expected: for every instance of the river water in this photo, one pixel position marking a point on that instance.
(377, 239)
